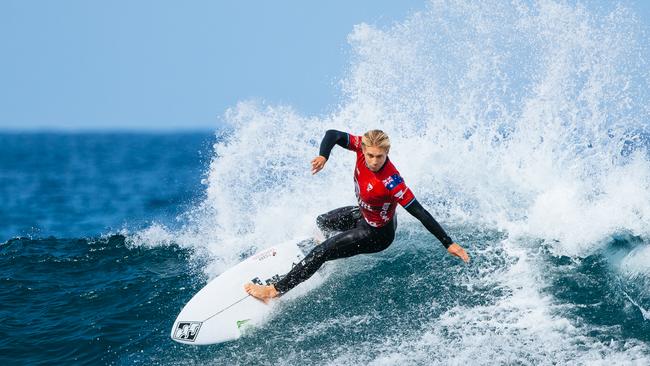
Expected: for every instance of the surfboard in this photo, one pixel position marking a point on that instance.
(221, 311)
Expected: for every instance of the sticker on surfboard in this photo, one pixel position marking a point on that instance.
(187, 331)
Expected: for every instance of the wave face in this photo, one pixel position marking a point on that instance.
(527, 117)
(522, 126)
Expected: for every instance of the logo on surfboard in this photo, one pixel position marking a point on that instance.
(271, 252)
(187, 331)
(241, 323)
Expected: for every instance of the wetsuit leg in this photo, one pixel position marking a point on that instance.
(361, 239)
(340, 219)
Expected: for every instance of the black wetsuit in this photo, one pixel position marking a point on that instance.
(348, 232)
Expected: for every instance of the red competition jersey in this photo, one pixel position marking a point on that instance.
(378, 192)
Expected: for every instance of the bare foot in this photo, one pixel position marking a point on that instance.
(263, 293)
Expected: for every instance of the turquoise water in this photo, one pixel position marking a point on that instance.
(110, 303)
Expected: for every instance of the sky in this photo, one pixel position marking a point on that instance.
(168, 65)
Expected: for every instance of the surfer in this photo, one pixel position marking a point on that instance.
(368, 227)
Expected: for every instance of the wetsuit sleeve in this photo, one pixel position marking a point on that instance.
(343, 139)
(416, 209)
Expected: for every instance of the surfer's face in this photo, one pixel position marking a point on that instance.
(375, 157)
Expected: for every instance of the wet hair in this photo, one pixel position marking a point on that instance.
(376, 138)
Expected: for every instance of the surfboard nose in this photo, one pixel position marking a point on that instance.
(222, 309)
(185, 331)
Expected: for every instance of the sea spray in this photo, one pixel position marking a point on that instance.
(526, 116)
(522, 127)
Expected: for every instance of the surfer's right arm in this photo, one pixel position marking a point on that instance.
(331, 138)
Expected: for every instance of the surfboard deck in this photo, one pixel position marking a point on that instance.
(222, 310)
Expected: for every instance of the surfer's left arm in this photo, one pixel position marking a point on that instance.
(415, 208)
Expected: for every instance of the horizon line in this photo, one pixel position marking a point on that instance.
(99, 130)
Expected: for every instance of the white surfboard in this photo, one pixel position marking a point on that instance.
(221, 310)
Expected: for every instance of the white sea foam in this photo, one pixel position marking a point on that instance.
(527, 117)
(521, 328)
(509, 116)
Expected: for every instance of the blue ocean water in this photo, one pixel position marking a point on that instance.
(72, 289)
(71, 185)
(104, 300)
(523, 129)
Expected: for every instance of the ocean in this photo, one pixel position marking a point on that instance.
(522, 127)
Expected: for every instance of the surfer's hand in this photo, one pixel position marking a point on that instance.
(317, 164)
(458, 251)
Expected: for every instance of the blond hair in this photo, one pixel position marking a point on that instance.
(376, 138)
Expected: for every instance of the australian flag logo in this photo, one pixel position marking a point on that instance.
(392, 181)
